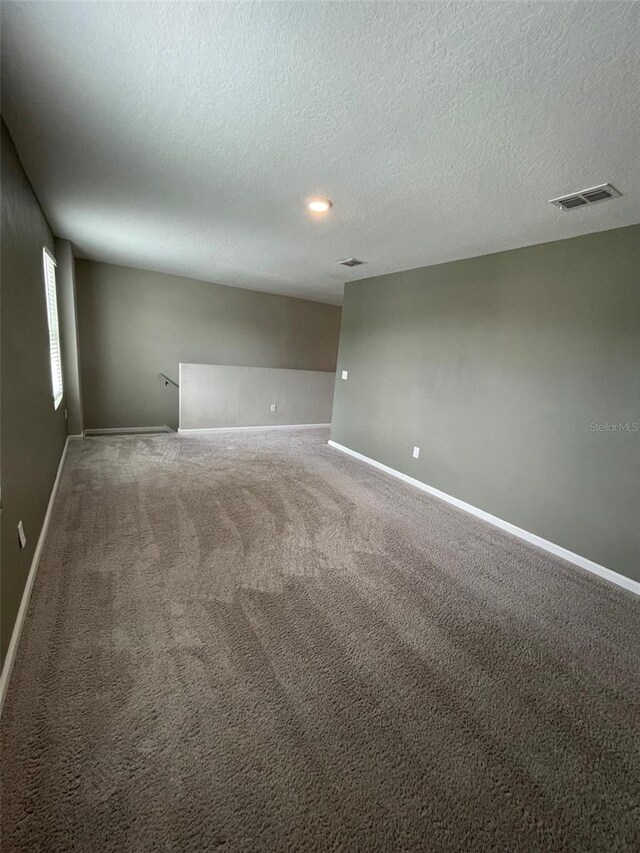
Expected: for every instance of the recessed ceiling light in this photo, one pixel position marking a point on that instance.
(318, 205)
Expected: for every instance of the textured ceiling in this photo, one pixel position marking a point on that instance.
(184, 137)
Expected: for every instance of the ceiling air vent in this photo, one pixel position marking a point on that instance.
(585, 197)
(351, 262)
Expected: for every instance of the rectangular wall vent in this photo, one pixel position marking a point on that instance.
(585, 197)
(351, 262)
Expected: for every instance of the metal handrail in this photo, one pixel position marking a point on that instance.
(167, 380)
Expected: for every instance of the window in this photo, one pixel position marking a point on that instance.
(54, 332)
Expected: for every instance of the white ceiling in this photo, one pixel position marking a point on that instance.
(184, 137)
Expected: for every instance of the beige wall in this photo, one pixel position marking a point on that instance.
(135, 323)
(32, 433)
(214, 396)
(503, 369)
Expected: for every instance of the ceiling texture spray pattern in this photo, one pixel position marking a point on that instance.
(185, 137)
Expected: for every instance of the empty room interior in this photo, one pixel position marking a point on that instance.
(320, 427)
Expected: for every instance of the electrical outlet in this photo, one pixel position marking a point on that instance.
(416, 452)
(22, 539)
(273, 407)
(345, 374)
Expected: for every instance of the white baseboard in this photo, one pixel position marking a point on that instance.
(26, 595)
(244, 428)
(532, 538)
(128, 430)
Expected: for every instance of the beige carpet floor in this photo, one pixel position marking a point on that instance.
(250, 642)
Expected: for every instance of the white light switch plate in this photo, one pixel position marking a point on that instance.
(345, 374)
(416, 452)
(21, 537)
(273, 407)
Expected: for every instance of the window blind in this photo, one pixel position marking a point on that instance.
(55, 355)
